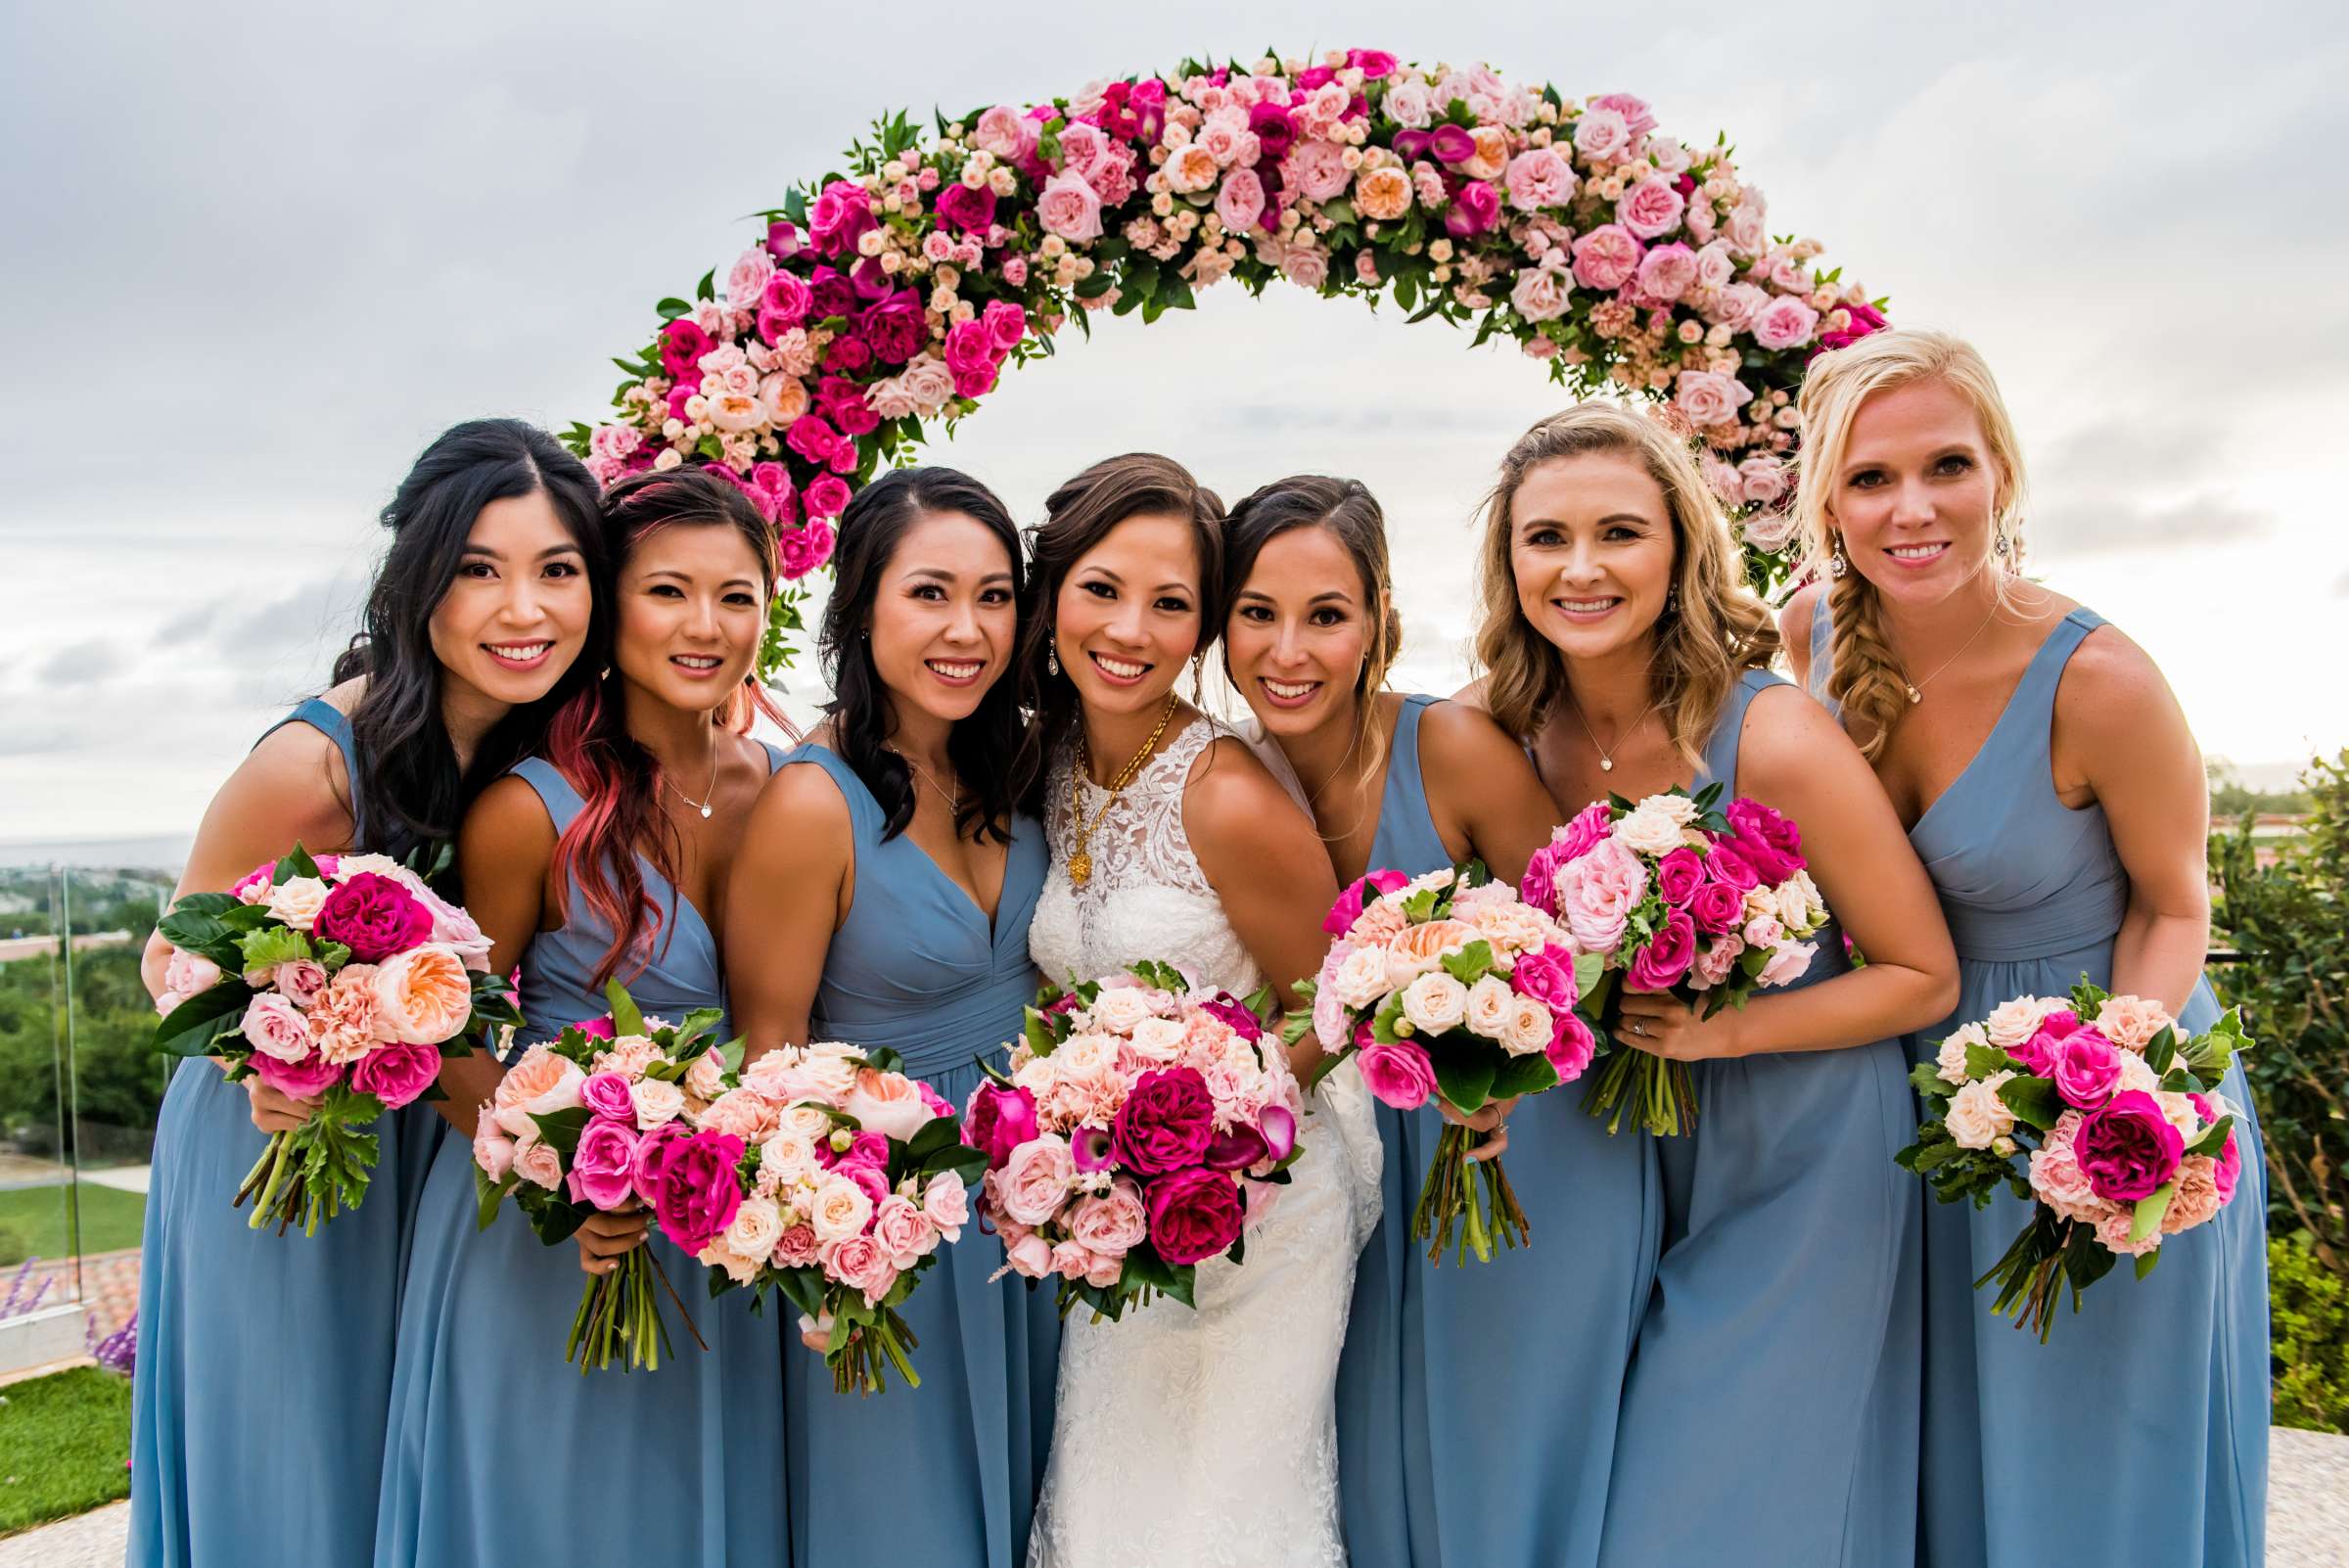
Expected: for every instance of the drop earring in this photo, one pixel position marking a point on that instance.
(1051, 654)
(1837, 564)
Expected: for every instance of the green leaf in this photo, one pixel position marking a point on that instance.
(2146, 1220)
(296, 864)
(488, 1194)
(1517, 1075)
(706, 289)
(673, 308)
(626, 1019)
(2162, 1051)
(1471, 963)
(1982, 1061)
(271, 946)
(1464, 1072)
(561, 1129)
(2033, 1100)
(2213, 1141)
(191, 1028)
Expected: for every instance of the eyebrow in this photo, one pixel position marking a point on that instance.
(1339, 595)
(546, 554)
(687, 577)
(1611, 517)
(942, 574)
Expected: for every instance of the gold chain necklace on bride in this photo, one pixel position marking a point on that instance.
(1916, 689)
(1080, 862)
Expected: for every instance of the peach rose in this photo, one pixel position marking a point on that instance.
(745, 1114)
(1382, 194)
(2015, 1021)
(1414, 951)
(1531, 1027)
(1977, 1117)
(1491, 1006)
(540, 1084)
(423, 996)
(346, 1020)
(296, 900)
(536, 1160)
(1434, 1001)
(888, 1103)
(2132, 1022)
(841, 1208)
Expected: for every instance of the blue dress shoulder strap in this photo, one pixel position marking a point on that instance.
(335, 724)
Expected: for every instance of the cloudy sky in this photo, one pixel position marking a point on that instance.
(254, 258)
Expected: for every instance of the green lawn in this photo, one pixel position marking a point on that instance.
(67, 1442)
(33, 1221)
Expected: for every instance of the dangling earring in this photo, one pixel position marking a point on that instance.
(1052, 653)
(604, 674)
(1672, 599)
(1837, 564)
(2002, 544)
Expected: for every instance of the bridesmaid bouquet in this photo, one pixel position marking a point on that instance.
(1450, 985)
(1674, 895)
(342, 979)
(2113, 1128)
(607, 1116)
(1141, 1128)
(851, 1176)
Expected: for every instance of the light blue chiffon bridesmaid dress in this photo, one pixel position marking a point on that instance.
(2139, 1434)
(917, 968)
(252, 1343)
(502, 1452)
(1770, 1419)
(1476, 1404)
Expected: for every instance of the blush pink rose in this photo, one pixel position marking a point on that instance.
(1113, 1224)
(1240, 203)
(535, 1161)
(1069, 207)
(493, 1150)
(1315, 169)
(1597, 893)
(1538, 177)
(1666, 272)
(540, 1083)
(1035, 1180)
(1789, 964)
(1601, 135)
(298, 980)
(1709, 397)
(1785, 323)
(1606, 257)
(274, 1027)
(888, 1103)
(947, 1203)
(902, 1231)
(861, 1265)
(1651, 209)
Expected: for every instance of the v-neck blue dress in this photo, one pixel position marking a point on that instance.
(2139, 1434)
(501, 1452)
(1770, 1419)
(250, 1340)
(1452, 1451)
(916, 967)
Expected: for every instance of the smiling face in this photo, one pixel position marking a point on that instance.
(1917, 492)
(1128, 614)
(943, 619)
(1593, 551)
(516, 615)
(692, 607)
(1299, 631)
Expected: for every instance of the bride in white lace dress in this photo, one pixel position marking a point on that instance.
(1182, 1436)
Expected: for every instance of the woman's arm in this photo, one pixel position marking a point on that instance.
(505, 850)
(1266, 862)
(788, 892)
(1794, 759)
(1481, 790)
(2121, 740)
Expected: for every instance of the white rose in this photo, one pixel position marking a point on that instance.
(347, 866)
(1491, 1003)
(1118, 1008)
(1952, 1058)
(2137, 1074)
(1085, 1052)
(657, 1100)
(1977, 1117)
(1158, 1037)
(1812, 897)
(758, 1225)
(296, 899)
(807, 1121)
(1434, 1003)
(1530, 1028)
(1794, 909)
(1360, 979)
(2179, 1111)
(787, 1157)
(706, 1079)
(839, 1209)
(1408, 104)
(2015, 1021)
(1646, 830)
(1679, 807)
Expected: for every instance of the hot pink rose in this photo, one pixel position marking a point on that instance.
(697, 1191)
(1398, 1075)
(1194, 1216)
(1666, 956)
(1727, 864)
(603, 1166)
(1717, 908)
(997, 1120)
(1570, 1044)
(652, 1152)
(607, 1095)
(1547, 977)
(2087, 1068)
(1164, 1124)
(2128, 1148)
(397, 1074)
(1770, 841)
(1678, 875)
(1348, 908)
(1606, 256)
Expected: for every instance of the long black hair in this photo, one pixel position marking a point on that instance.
(1078, 516)
(409, 788)
(984, 748)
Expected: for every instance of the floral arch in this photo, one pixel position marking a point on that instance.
(893, 294)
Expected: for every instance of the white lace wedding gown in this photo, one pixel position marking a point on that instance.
(1200, 1438)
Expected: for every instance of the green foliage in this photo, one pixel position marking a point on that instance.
(118, 1079)
(2290, 921)
(68, 1441)
(2309, 1337)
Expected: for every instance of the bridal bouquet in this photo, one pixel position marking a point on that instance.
(607, 1116)
(1674, 895)
(2113, 1128)
(1140, 1129)
(340, 979)
(851, 1176)
(1450, 985)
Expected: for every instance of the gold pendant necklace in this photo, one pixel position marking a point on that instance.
(1916, 689)
(1080, 862)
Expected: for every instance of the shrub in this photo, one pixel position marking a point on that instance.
(2309, 1337)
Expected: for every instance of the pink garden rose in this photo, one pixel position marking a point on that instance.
(1785, 323)
(373, 917)
(274, 1027)
(1240, 203)
(1709, 397)
(399, 1074)
(1165, 1122)
(1035, 1180)
(493, 1150)
(1538, 177)
(1194, 1216)
(902, 1231)
(1666, 956)
(535, 1161)
(1400, 1074)
(603, 1166)
(698, 1192)
(2128, 1148)
(1597, 893)
(1113, 1224)
(1069, 207)
(1606, 257)
(298, 980)
(1666, 272)
(947, 1204)
(1651, 209)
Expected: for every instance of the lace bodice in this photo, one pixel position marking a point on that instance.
(1147, 896)
(1175, 1423)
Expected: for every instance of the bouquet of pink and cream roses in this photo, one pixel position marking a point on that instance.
(1676, 895)
(340, 979)
(1141, 1128)
(851, 1177)
(1450, 985)
(606, 1116)
(2096, 1109)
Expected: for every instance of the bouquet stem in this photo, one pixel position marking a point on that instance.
(1661, 1091)
(274, 1185)
(2030, 1279)
(858, 1367)
(619, 1314)
(1449, 1195)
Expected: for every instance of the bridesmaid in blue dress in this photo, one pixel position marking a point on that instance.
(885, 888)
(1411, 783)
(1618, 632)
(603, 857)
(478, 616)
(2060, 803)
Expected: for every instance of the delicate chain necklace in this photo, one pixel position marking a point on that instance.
(710, 794)
(953, 801)
(1607, 757)
(1916, 689)
(1080, 862)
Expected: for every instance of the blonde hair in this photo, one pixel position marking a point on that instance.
(1866, 681)
(1718, 629)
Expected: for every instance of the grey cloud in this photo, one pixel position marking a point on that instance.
(2148, 524)
(84, 664)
